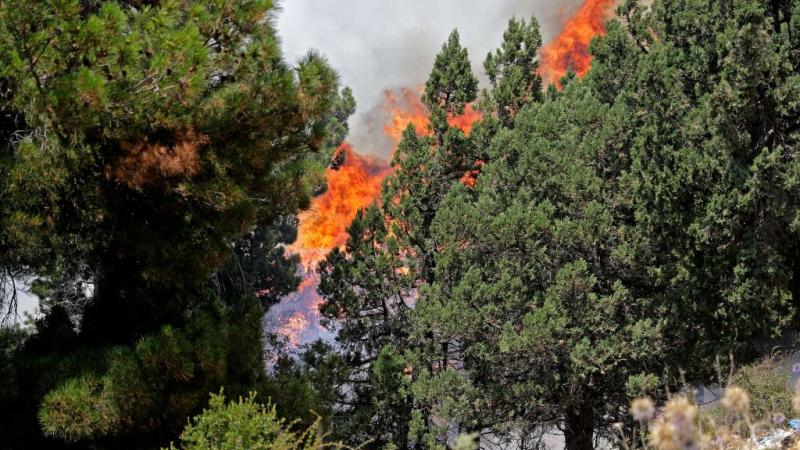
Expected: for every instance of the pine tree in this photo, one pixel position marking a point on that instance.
(536, 301)
(513, 70)
(451, 84)
(370, 287)
(154, 144)
(368, 297)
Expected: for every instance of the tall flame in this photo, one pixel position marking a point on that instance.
(570, 49)
(351, 187)
(356, 184)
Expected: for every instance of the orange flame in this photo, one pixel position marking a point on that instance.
(406, 108)
(297, 317)
(570, 49)
(465, 121)
(351, 187)
(470, 178)
(357, 183)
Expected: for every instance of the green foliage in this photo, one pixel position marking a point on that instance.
(767, 384)
(638, 222)
(513, 70)
(162, 131)
(622, 231)
(368, 295)
(260, 266)
(305, 389)
(75, 411)
(370, 288)
(152, 156)
(451, 84)
(244, 424)
(535, 292)
(343, 108)
(151, 387)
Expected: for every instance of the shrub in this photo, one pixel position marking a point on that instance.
(750, 415)
(246, 424)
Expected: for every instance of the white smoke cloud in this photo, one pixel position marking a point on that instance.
(386, 44)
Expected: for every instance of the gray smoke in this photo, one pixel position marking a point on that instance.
(379, 45)
(387, 44)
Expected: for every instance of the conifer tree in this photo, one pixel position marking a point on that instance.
(371, 287)
(451, 84)
(141, 141)
(513, 70)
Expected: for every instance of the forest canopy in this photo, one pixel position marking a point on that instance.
(582, 244)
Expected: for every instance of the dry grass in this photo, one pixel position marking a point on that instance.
(752, 414)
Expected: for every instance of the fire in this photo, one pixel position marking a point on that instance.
(353, 186)
(296, 318)
(405, 108)
(465, 121)
(571, 47)
(293, 328)
(470, 178)
(357, 183)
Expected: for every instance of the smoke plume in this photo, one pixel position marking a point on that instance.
(382, 50)
(379, 45)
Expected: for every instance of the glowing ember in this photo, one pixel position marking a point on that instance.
(570, 49)
(470, 178)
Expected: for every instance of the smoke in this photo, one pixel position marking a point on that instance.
(379, 45)
(384, 52)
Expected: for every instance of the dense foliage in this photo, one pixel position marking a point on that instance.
(624, 231)
(580, 246)
(245, 424)
(152, 155)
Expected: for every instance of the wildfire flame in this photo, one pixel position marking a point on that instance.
(570, 49)
(351, 187)
(356, 184)
(297, 319)
(465, 121)
(405, 108)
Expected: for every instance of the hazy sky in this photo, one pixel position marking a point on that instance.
(380, 44)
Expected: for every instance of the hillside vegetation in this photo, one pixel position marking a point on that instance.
(587, 243)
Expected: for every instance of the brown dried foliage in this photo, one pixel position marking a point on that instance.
(145, 164)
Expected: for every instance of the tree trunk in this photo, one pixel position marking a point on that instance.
(579, 427)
